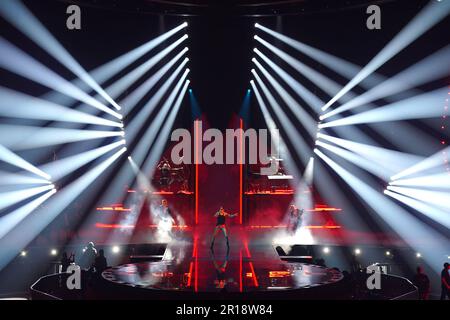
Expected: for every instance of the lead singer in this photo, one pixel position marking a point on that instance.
(220, 225)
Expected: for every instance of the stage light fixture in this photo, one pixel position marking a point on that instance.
(311, 99)
(164, 134)
(422, 22)
(302, 149)
(410, 108)
(27, 137)
(132, 100)
(29, 25)
(124, 177)
(115, 249)
(64, 166)
(326, 250)
(17, 61)
(53, 252)
(418, 255)
(388, 253)
(357, 251)
(410, 228)
(29, 107)
(301, 115)
(184, 24)
(23, 253)
(10, 157)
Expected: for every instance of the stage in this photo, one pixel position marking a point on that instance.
(193, 266)
(309, 137)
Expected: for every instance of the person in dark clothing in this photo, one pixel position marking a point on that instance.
(220, 225)
(295, 215)
(66, 261)
(100, 263)
(445, 282)
(88, 257)
(422, 283)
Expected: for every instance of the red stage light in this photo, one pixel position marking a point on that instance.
(279, 274)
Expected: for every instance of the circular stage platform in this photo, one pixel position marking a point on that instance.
(192, 268)
(270, 276)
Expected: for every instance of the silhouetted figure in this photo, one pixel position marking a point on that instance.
(422, 283)
(295, 215)
(88, 257)
(355, 265)
(100, 263)
(321, 262)
(66, 261)
(445, 282)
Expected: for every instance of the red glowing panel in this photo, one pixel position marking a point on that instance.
(279, 274)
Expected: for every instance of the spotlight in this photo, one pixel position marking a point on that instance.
(357, 251)
(326, 250)
(257, 25)
(115, 249)
(185, 24)
(186, 36)
(129, 158)
(418, 255)
(253, 59)
(253, 70)
(53, 252)
(122, 134)
(23, 254)
(252, 81)
(388, 253)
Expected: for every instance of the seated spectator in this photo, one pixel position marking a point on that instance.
(422, 283)
(100, 263)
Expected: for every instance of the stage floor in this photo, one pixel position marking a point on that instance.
(248, 266)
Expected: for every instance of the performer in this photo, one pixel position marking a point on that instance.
(220, 225)
(166, 220)
(295, 215)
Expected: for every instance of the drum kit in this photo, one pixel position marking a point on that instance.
(171, 178)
